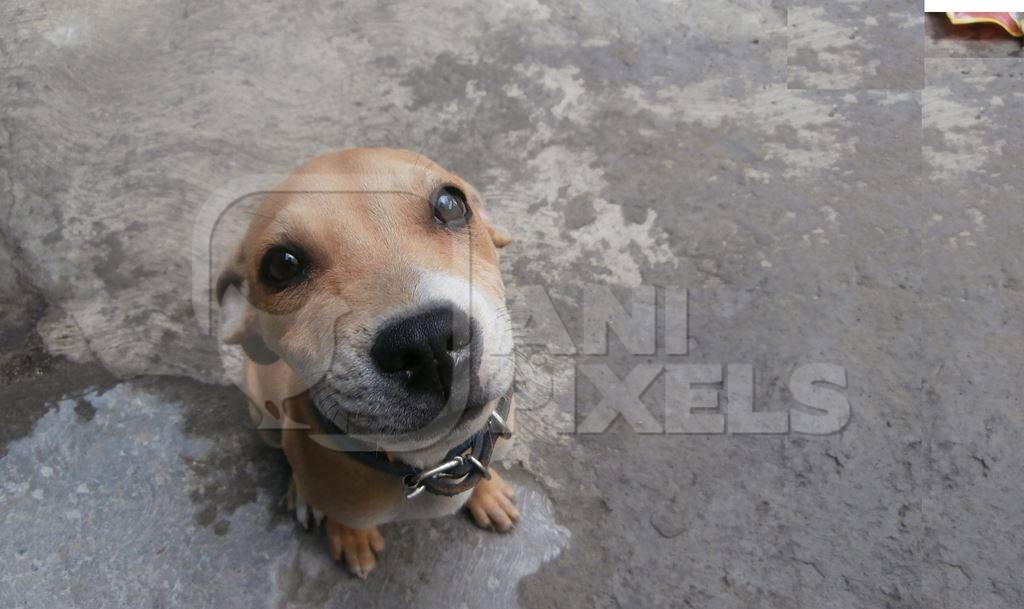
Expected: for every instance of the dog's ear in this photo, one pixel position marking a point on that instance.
(500, 237)
(238, 317)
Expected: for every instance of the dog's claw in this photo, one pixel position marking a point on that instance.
(492, 504)
(359, 547)
(301, 511)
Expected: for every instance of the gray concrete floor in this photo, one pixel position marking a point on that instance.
(833, 182)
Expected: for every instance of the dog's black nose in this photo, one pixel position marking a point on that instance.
(428, 352)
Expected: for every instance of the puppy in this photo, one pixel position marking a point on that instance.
(368, 301)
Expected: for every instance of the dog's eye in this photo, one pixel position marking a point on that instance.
(450, 207)
(282, 267)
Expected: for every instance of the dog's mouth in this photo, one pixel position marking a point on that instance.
(422, 379)
(394, 416)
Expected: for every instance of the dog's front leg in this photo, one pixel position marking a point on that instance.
(359, 546)
(492, 504)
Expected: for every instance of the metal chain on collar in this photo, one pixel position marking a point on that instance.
(462, 471)
(461, 468)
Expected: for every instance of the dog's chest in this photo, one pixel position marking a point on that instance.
(427, 505)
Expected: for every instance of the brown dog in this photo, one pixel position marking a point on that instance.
(367, 297)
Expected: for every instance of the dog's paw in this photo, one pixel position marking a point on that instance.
(493, 504)
(359, 547)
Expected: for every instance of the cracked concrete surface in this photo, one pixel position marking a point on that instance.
(833, 182)
(191, 517)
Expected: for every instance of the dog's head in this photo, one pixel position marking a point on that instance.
(373, 274)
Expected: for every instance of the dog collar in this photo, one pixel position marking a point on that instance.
(459, 471)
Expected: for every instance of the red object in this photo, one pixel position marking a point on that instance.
(1011, 22)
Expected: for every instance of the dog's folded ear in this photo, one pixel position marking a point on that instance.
(499, 236)
(238, 318)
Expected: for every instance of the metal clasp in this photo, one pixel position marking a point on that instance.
(479, 466)
(498, 426)
(414, 484)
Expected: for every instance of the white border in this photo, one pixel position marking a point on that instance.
(973, 6)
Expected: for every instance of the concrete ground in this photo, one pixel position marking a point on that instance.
(833, 182)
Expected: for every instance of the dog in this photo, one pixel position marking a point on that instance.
(367, 298)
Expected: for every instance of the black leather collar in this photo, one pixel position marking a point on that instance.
(459, 471)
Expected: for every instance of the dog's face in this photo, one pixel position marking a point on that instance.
(373, 274)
